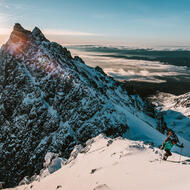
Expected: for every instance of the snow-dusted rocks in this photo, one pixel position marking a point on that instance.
(38, 35)
(20, 39)
(50, 101)
(53, 162)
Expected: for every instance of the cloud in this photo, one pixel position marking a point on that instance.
(67, 32)
(139, 70)
(11, 5)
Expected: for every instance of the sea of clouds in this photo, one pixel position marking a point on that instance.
(127, 69)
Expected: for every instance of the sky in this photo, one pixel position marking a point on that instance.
(108, 22)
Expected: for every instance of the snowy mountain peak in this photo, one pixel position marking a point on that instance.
(19, 34)
(18, 27)
(21, 39)
(38, 35)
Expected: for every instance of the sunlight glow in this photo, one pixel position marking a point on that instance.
(5, 31)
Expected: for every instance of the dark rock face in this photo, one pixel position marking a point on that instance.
(50, 102)
(183, 101)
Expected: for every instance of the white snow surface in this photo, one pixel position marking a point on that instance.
(119, 165)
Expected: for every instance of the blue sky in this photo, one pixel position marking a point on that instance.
(121, 22)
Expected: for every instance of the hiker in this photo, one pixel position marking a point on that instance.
(169, 142)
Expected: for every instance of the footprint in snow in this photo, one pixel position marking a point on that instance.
(58, 187)
(102, 187)
(31, 186)
(95, 170)
(155, 160)
(124, 154)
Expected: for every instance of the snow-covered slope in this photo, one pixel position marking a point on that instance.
(118, 165)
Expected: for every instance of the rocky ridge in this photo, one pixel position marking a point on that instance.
(51, 101)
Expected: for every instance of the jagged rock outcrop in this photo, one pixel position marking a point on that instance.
(50, 101)
(21, 39)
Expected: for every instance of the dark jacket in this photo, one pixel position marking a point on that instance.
(169, 142)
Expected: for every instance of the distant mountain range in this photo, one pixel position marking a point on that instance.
(179, 57)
